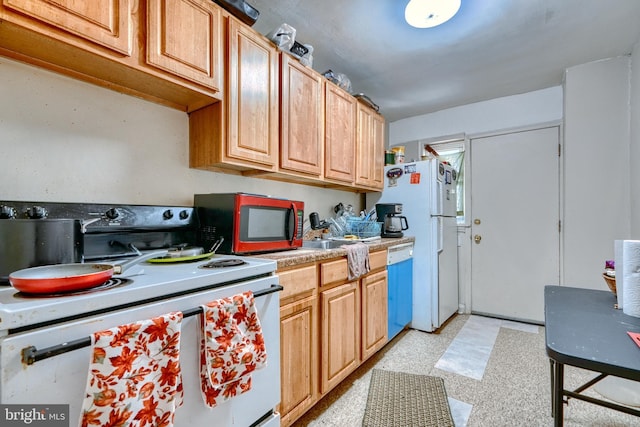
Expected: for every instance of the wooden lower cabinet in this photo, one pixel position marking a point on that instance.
(298, 348)
(329, 325)
(374, 313)
(298, 342)
(340, 334)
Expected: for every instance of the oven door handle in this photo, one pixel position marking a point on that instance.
(31, 354)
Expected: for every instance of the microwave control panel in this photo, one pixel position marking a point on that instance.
(300, 230)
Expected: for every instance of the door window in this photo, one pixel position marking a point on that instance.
(452, 151)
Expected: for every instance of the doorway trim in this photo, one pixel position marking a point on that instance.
(464, 231)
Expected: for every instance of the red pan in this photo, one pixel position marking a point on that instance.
(60, 278)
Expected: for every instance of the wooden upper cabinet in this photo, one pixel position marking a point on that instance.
(184, 37)
(377, 180)
(241, 131)
(105, 22)
(369, 149)
(252, 97)
(340, 134)
(302, 118)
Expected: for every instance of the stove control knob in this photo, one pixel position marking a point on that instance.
(7, 212)
(167, 214)
(112, 213)
(184, 214)
(36, 212)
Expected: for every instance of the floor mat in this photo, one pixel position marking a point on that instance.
(401, 399)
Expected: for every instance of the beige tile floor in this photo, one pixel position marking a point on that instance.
(496, 374)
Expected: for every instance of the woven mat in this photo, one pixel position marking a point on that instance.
(401, 399)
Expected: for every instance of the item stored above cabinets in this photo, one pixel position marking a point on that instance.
(367, 101)
(241, 10)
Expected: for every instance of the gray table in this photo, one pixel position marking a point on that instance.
(584, 329)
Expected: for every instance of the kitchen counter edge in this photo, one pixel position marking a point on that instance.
(291, 258)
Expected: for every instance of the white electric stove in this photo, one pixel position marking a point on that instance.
(45, 339)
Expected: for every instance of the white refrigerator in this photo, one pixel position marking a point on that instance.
(427, 191)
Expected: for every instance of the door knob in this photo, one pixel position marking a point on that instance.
(477, 238)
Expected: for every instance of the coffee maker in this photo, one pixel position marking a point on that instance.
(393, 224)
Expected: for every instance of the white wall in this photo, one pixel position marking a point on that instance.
(634, 158)
(601, 142)
(596, 167)
(511, 112)
(67, 141)
(497, 114)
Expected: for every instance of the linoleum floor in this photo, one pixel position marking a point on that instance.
(496, 373)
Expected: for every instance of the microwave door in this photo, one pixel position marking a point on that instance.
(292, 223)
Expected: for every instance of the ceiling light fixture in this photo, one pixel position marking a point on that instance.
(430, 13)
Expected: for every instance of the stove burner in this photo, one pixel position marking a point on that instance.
(111, 283)
(224, 263)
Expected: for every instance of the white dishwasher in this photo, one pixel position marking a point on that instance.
(400, 287)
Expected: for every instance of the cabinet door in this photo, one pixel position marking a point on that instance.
(340, 343)
(105, 22)
(374, 313)
(340, 134)
(184, 39)
(302, 140)
(377, 131)
(299, 360)
(252, 97)
(369, 149)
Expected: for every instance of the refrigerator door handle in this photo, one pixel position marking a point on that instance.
(437, 202)
(440, 233)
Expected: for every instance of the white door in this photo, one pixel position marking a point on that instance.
(515, 214)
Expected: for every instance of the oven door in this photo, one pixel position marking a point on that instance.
(62, 379)
(263, 224)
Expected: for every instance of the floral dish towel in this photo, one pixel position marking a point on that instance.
(134, 376)
(231, 347)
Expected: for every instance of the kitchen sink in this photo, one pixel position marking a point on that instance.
(323, 244)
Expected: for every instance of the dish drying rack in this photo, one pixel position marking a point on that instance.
(355, 226)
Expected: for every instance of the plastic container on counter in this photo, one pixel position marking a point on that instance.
(399, 150)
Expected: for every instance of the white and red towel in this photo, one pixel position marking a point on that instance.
(231, 347)
(134, 374)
